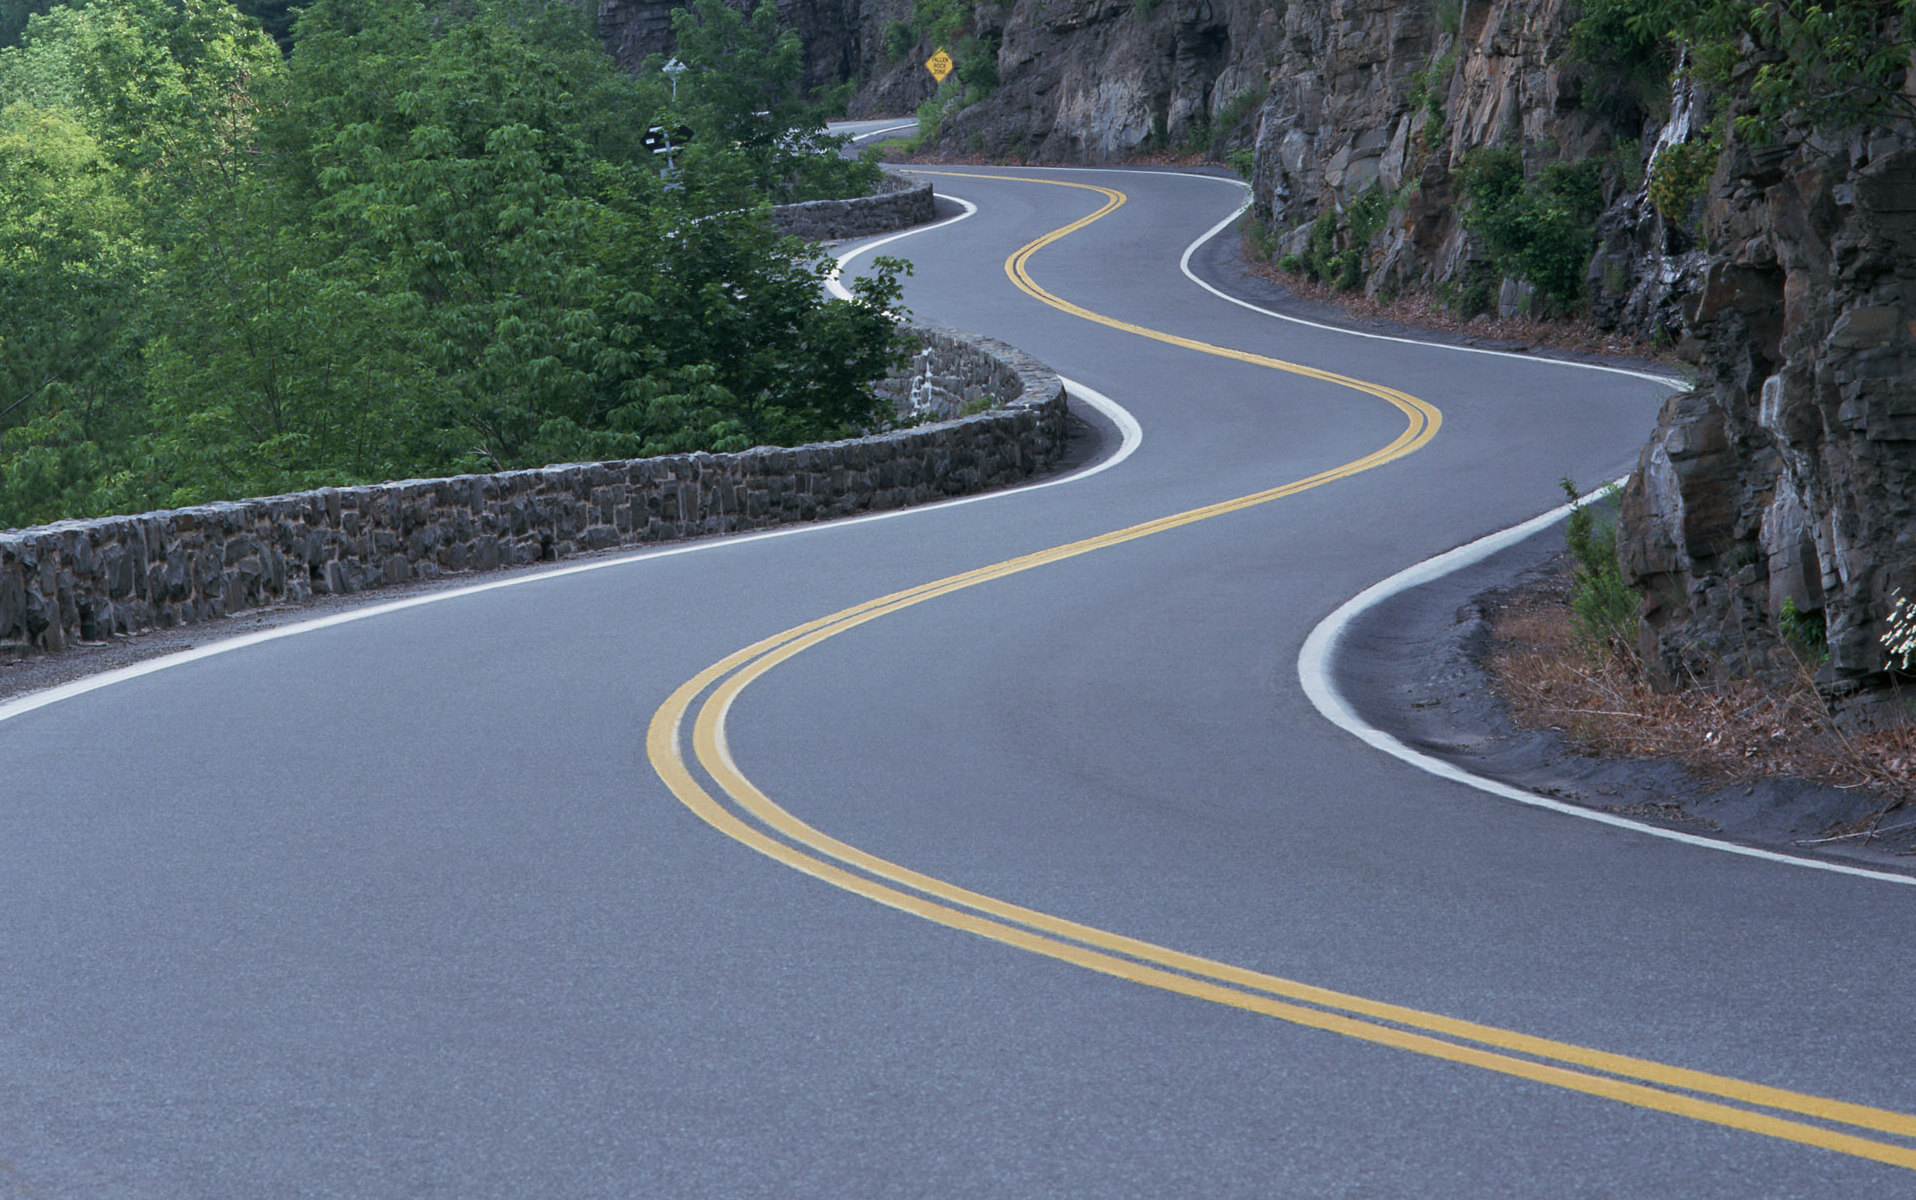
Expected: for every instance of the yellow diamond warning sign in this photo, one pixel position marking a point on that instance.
(939, 64)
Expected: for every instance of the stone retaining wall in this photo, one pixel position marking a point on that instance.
(898, 204)
(89, 580)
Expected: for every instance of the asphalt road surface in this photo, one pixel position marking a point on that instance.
(1007, 859)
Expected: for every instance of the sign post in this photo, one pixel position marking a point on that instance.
(939, 64)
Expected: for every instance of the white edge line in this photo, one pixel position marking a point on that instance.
(1184, 265)
(1131, 433)
(1314, 666)
(1320, 648)
(1314, 661)
(838, 289)
(859, 137)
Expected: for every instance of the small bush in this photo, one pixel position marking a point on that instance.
(1681, 173)
(1628, 57)
(1806, 632)
(1604, 606)
(931, 114)
(1334, 254)
(1542, 231)
(1239, 107)
(1627, 155)
(978, 67)
(900, 37)
(1427, 88)
(941, 21)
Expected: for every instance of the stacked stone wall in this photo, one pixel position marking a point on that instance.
(898, 204)
(90, 580)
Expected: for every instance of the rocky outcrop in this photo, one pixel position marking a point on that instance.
(1789, 475)
(635, 29)
(1343, 104)
(90, 580)
(1093, 80)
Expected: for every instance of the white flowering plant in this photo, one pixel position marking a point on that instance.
(1900, 638)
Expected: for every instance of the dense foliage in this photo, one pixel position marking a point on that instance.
(428, 240)
(1820, 62)
(1540, 229)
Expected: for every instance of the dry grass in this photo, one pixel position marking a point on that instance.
(1725, 731)
(1420, 309)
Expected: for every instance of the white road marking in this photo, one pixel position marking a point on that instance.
(1129, 431)
(911, 124)
(1184, 265)
(1315, 665)
(837, 289)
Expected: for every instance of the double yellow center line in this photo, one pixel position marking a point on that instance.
(747, 815)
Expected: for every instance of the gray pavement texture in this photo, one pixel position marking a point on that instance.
(400, 908)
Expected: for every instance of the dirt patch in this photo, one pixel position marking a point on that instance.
(1724, 732)
(1421, 310)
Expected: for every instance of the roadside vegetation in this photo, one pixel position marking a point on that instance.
(1564, 657)
(1754, 71)
(415, 237)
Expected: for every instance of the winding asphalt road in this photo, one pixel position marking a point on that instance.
(991, 849)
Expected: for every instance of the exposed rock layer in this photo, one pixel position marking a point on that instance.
(1788, 477)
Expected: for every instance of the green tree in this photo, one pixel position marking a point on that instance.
(274, 16)
(428, 241)
(14, 15)
(1824, 62)
(71, 267)
(756, 134)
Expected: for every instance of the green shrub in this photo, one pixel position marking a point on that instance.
(1604, 607)
(1471, 291)
(1681, 173)
(1542, 231)
(1626, 154)
(1427, 87)
(1237, 108)
(900, 37)
(1805, 632)
(978, 67)
(1335, 251)
(1629, 61)
(941, 21)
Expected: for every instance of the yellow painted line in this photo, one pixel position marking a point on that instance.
(1018, 269)
(1624, 1078)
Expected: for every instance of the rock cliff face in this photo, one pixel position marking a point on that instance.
(1093, 80)
(1341, 101)
(830, 29)
(1789, 475)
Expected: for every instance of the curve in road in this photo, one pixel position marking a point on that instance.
(1616, 1077)
(398, 907)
